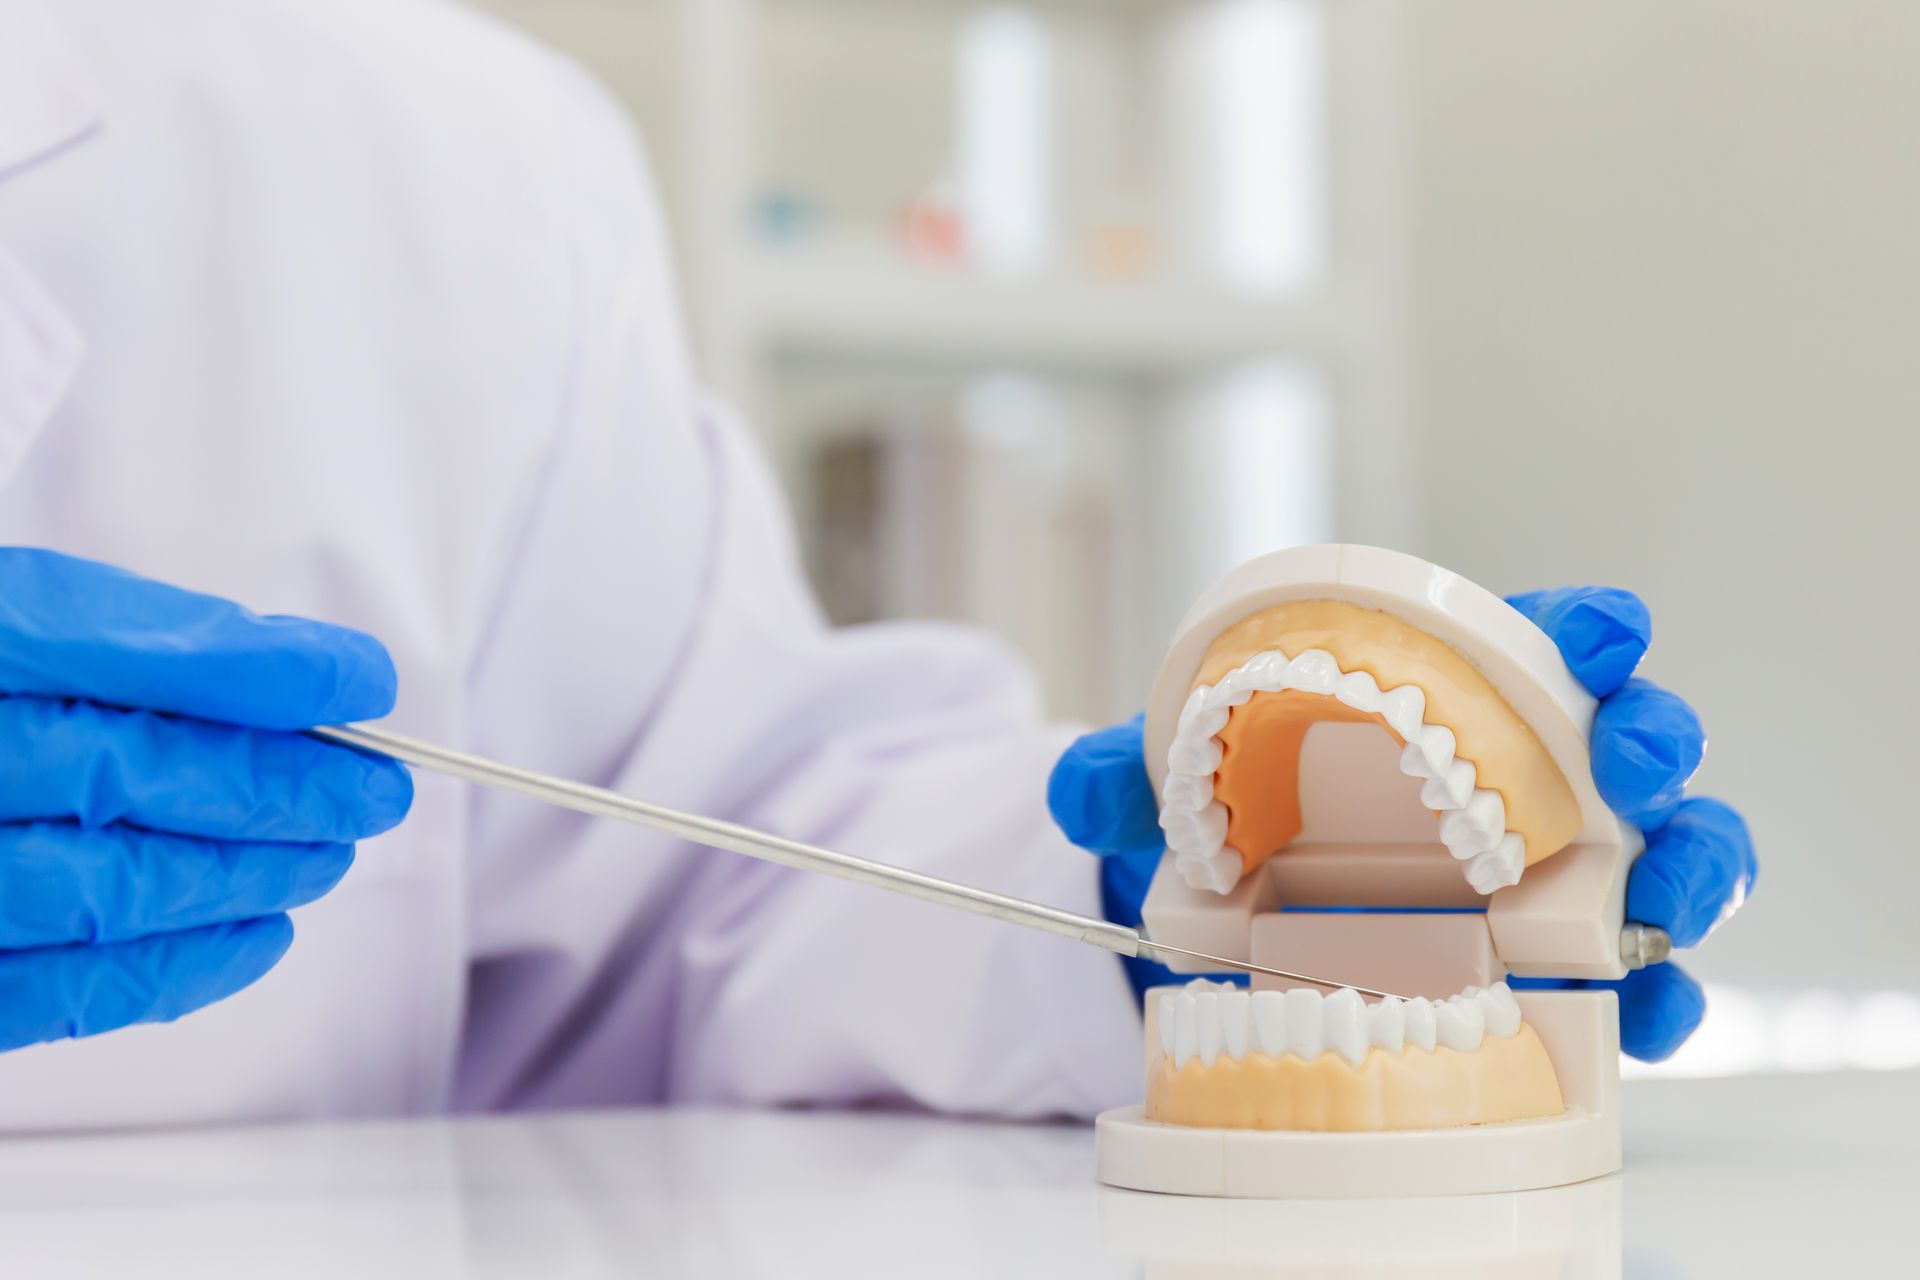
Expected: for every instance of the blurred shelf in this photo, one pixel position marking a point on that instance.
(867, 304)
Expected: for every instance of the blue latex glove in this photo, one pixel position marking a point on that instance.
(1647, 743)
(157, 819)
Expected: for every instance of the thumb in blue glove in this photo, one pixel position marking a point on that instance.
(1102, 800)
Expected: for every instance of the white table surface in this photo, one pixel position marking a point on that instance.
(1815, 1175)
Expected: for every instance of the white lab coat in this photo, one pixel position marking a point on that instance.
(360, 309)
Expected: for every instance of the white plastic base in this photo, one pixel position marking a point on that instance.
(1580, 1031)
(1144, 1155)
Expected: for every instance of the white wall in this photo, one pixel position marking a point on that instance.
(1666, 308)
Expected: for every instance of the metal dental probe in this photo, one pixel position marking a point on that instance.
(601, 803)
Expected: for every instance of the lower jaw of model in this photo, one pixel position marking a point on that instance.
(1301, 1060)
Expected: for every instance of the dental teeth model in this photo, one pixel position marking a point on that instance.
(1345, 727)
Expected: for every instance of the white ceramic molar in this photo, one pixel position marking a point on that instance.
(1476, 828)
(1473, 819)
(1500, 866)
(1443, 786)
(1501, 1009)
(1206, 1021)
(1460, 1023)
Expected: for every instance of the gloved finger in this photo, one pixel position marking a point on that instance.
(97, 765)
(1647, 744)
(1660, 1006)
(1602, 632)
(1099, 793)
(66, 884)
(55, 993)
(73, 628)
(1697, 870)
(1124, 880)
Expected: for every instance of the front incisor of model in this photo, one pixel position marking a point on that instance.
(1299, 1060)
(1231, 796)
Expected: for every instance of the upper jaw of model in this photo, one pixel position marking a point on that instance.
(1229, 798)
(1473, 824)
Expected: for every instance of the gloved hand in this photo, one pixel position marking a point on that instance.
(1647, 743)
(157, 816)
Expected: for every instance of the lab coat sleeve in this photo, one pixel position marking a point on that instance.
(654, 633)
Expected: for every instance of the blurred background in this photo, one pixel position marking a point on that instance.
(1050, 312)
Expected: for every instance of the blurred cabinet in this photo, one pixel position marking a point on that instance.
(1046, 312)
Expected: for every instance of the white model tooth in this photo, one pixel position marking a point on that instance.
(1475, 1014)
(1194, 755)
(1501, 1009)
(1429, 754)
(1199, 721)
(1270, 1022)
(1165, 1023)
(1234, 1013)
(1451, 789)
(1387, 1024)
(1266, 671)
(1232, 691)
(1449, 1026)
(1413, 759)
(1436, 750)
(1183, 1028)
(1460, 834)
(1460, 1024)
(1313, 671)
(1186, 792)
(1421, 1023)
(1305, 1034)
(1499, 866)
(1358, 690)
(1403, 708)
(1217, 871)
(1211, 821)
(1344, 1021)
(1206, 1026)
(1196, 831)
(1477, 827)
